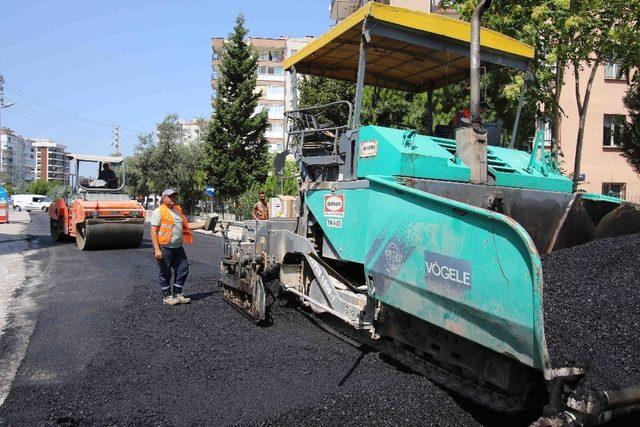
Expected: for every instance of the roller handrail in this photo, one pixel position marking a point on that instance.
(291, 115)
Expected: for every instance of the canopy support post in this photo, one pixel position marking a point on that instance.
(430, 113)
(520, 103)
(362, 63)
(294, 88)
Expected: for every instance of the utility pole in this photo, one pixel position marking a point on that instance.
(116, 139)
(2, 105)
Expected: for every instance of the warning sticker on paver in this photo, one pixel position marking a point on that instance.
(334, 205)
(334, 223)
(369, 148)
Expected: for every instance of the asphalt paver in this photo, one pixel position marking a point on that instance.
(113, 354)
(592, 311)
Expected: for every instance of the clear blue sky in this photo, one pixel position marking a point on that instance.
(75, 67)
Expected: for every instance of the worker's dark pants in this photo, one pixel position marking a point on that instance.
(176, 259)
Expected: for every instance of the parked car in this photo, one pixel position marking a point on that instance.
(31, 202)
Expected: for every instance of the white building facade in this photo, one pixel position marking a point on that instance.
(17, 158)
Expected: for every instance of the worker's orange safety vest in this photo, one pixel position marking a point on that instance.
(166, 226)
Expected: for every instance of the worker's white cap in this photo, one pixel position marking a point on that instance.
(169, 192)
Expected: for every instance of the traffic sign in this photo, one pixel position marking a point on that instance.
(210, 191)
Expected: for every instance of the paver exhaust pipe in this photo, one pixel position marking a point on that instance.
(471, 142)
(475, 61)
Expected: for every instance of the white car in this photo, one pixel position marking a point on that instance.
(31, 202)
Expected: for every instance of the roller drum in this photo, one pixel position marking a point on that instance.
(109, 235)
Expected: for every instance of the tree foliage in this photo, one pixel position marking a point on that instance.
(46, 188)
(273, 186)
(631, 134)
(236, 146)
(39, 186)
(166, 163)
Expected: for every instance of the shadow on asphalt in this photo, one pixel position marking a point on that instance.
(33, 242)
(201, 295)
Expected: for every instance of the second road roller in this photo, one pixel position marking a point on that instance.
(98, 214)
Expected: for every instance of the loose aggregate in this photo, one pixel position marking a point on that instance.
(204, 363)
(592, 311)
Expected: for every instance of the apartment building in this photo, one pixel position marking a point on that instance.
(272, 81)
(17, 158)
(340, 9)
(603, 168)
(51, 161)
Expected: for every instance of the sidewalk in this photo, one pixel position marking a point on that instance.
(12, 230)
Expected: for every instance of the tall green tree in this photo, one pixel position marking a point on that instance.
(236, 146)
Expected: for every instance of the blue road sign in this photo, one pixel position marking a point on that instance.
(210, 191)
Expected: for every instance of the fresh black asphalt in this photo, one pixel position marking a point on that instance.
(106, 351)
(592, 311)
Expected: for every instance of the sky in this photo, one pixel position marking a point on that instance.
(75, 68)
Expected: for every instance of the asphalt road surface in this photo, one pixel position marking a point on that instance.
(102, 349)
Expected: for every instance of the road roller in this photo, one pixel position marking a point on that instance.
(98, 214)
(426, 246)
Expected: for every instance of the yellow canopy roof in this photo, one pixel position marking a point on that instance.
(406, 50)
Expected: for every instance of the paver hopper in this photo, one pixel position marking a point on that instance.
(429, 245)
(98, 214)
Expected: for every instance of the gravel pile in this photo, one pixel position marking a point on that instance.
(204, 363)
(592, 310)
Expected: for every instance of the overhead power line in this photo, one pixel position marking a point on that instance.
(72, 116)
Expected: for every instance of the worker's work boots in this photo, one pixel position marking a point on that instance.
(170, 300)
(181, 299)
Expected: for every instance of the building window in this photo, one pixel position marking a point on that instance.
(270, 71)
(612, 130)
(275, 92)
(614, 189)
(275, 128)
(613, 71)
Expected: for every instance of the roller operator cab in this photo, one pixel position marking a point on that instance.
(98, 214)
(428, 247)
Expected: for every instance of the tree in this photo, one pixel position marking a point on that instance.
(316, 91)
(541, 24)
(603, 30)
(166, 163)
(631, 133)
(236, 146)
(39, 186)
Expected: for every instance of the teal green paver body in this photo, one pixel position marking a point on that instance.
(469, 270)
(404, 153)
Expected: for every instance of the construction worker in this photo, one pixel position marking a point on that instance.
(108, 176)
(463, 118)
(261, 209)
(169, 230)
